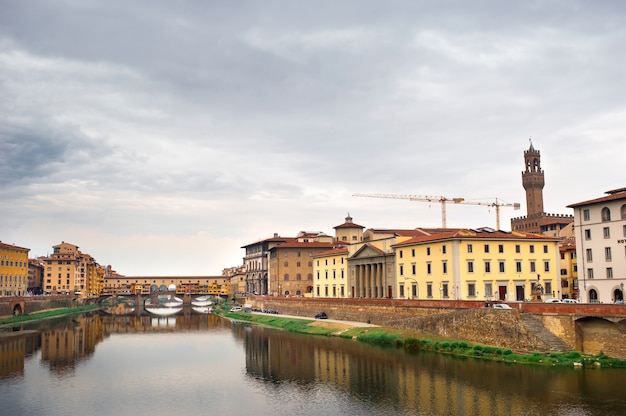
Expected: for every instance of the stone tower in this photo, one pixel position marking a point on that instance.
(533, 181)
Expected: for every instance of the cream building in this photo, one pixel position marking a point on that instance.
(600, 230)
(13, 270)
(481, 264)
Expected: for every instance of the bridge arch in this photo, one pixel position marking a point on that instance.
(17, 308)
(597, 334)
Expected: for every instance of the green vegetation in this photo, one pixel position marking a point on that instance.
(412, 341)
(50, 313)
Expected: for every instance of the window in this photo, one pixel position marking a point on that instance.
(402, 270)
(414, 290)
(518, 266)
(549, 287)
(606, 231)
(413, 269)
(444, 290)
(487, 266)
(401, 290)
(488, 292)
(429, 290)
(429, 268)
(400, 253)
(470, 266)
(609, 272)
(286, 276)
(586, 216)
(501, 266)
(445, 267)
(587, 234)
(546, 266)
(443, 249)
(428, 251)
(532, 248)
(607, 253)
(590, 273)
(623, 209)
(532, 266)
(518, 248)
(486, 248)
(500, 248)
(545, 249)
(606, 214)
(471, 289)
(589, 255)
(470, 248)
(412, 252)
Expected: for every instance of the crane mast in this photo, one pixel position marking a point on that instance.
(443, 201)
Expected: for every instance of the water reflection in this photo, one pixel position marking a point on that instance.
(281, 373)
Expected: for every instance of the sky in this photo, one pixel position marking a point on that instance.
(160, 137)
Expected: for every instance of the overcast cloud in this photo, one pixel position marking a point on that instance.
(162, 136)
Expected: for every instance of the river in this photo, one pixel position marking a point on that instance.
(196, 364)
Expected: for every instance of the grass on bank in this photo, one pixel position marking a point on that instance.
(412, 341)
(50, 313)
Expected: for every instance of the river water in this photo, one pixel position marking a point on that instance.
(195, 364)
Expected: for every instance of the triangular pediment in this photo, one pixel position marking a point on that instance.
(367, 251)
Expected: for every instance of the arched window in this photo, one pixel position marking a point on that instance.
(593, 296)
(286, 277)
(623, 212)
(606, 214)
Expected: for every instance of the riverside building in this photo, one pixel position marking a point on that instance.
(600, 231)
(13, 270)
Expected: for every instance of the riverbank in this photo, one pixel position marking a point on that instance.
(417, 341)
(47, 314)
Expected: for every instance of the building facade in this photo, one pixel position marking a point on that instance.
(600, 231)
(13, 270)
(256, 262)
(477, 264)
(330, 274)
(69, 271)
(35, 276)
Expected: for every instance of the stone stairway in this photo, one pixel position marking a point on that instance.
(535, 327)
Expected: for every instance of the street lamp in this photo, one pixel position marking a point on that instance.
(416, 288)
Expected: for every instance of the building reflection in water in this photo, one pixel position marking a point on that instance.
(389, 378)
(66, 341)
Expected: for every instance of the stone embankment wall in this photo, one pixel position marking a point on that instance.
(33, 304)
(526, 327)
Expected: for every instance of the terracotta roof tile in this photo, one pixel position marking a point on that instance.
(613, 195)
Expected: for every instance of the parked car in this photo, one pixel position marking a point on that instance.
(321, 315)
(553, 300)
(571, 301)
(236, 309)
(501, 306)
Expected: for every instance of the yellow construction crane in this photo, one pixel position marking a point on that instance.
(443, 200)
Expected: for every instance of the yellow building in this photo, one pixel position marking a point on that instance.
(330, 274)
(568, 269)
(365, 269)
(13, 270)
(482, 264)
